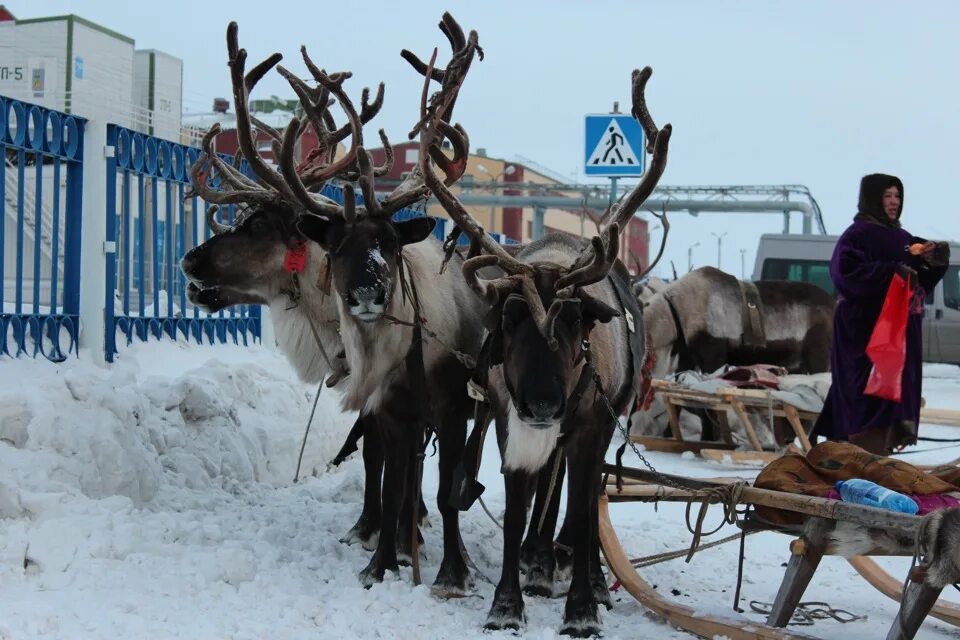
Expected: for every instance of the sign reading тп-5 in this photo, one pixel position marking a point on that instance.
(15, 74)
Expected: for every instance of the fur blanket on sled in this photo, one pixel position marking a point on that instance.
(816, 474)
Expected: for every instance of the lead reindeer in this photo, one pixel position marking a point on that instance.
(262, 258)
(560, 368)
(406, 325)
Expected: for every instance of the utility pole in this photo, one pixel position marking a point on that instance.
(719, 247)
(690, 256)
(613, 179)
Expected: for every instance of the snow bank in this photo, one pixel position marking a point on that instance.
(135, 427)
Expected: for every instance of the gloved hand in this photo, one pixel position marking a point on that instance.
(907, 273)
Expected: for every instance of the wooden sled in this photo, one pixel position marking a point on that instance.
(919, 599)
(945, 417)
(745, 403)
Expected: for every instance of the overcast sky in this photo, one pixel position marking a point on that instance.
(814, 92)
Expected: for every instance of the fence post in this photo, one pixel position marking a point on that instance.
(93, 235)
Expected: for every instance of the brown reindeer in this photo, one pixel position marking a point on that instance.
(707, 319)
(406, 324)
(262, 258)
(558, 367)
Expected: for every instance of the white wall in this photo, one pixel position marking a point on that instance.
(167, 87)
(105, 89)
(26, 48)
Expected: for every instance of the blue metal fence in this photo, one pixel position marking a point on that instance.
(42, 174)
(151, 226)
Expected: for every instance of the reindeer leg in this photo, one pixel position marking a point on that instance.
(563, 546)
(580, 618)
(405, 523)
(367, 529)
(538, 549)
(398, 448)
(453, 578)
(507, 609)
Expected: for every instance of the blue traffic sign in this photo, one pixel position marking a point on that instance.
(614, 145)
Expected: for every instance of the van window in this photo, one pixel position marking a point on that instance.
(813, 271)
(951, 287)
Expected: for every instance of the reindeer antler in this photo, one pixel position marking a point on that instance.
(662, 217)
(594, 262)
(619, 214)
(270, 187)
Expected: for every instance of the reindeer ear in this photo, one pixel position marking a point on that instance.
(595, 310)
(515, 308)
(414, 230)
(315, 228)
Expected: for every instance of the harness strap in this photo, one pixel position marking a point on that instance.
(754, 335)
(417, 377)
(682, 348)
(466, 489)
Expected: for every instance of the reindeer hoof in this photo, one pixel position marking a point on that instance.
(506, 613)
(538, 584)
(580, 619)
(601, 594)
(453, 581)
(374, 572)
(563, 570)
(363, 532)
(581, 629)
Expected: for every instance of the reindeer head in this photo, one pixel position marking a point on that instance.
(248, 262)
(364, 244)
(544, 308)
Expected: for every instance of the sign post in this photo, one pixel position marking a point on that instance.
(613, 147)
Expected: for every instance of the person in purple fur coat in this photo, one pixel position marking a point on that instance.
(866, 257)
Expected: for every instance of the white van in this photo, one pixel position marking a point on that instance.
(807, 258)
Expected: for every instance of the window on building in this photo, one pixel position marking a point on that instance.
(411, 156)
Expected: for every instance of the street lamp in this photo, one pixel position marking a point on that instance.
(743, 270)
(719, 245)
(508, 170)
(690, 256)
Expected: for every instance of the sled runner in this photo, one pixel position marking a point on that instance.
(879, 532)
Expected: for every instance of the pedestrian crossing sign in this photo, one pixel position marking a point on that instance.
(614, 145)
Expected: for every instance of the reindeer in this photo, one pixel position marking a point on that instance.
(707, 319)
(558, 369)
(407, 324)
(262, 258)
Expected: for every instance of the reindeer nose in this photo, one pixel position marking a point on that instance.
(545, 406)
(365, 296)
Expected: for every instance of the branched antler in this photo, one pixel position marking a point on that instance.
(662, 217)
(291, 185)
(595, 261)
(620, 214)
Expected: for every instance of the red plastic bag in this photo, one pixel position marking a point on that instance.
(887, 348)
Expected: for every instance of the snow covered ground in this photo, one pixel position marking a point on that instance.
(154, 499)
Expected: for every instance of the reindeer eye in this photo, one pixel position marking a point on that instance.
(259, 225)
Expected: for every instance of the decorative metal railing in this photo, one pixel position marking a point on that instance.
(40, 232)
(152, 223)
(142, 214)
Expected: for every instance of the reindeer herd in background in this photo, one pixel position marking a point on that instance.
(549, 334)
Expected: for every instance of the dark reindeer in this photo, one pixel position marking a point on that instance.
(557, 354)
(405, 323)
(248, 262)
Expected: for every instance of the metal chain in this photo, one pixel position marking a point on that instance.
(585, 347)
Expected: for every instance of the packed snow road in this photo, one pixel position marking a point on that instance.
(155, 500)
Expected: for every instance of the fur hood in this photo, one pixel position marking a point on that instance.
(870, 205)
